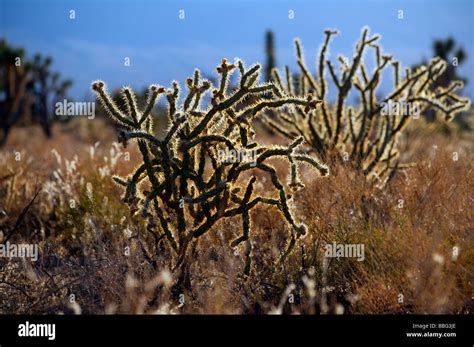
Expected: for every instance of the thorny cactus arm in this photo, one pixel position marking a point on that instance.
(363, 131)
(186, 200)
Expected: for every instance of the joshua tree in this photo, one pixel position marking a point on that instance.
(455, 56)
(192, 184)
(45, 87)
(29, 87)
(13, 80)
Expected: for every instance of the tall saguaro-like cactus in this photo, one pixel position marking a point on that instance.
(366, 133)
(192, 185)
(270, 54)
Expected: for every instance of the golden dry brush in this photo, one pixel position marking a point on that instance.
(192, 186)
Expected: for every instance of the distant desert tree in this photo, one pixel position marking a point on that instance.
(29, 88)
(455, 56)
(13, 80)
(45, 87)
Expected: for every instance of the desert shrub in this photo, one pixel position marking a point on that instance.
(182, 199)
(367, 134)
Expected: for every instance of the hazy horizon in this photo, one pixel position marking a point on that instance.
(162, 47)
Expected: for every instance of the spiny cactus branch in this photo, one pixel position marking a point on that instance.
(186, 197)
(369, 135)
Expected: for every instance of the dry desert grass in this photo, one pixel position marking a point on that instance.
(96, 257)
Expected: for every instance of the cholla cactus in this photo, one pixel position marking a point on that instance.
(186, 199)
(366, 133)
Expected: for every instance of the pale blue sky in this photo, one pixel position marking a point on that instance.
(162, 47)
